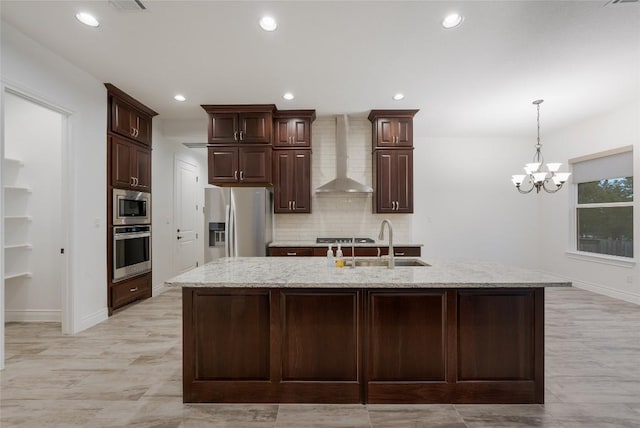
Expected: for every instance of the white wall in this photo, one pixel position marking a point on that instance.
(35, 298)
(614, 129)
(465, 204)
(30, 68)
(340, 215)
(163, 156)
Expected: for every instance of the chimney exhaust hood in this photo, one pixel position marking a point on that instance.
(342, 183)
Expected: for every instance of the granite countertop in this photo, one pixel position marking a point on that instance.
(344, 245)
(313, 272)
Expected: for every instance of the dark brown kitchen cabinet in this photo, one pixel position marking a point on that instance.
(292, 181)
(128, 117)
(392, 128)
(393, 181)
(392, 132)
(245, 124)
(130, 165)
(239, 165)
(292, 128)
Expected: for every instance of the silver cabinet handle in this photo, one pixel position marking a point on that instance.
(235, 175)
(137, 181)
(132, 181)
(136, 132)
(133, 290)
(132, 131)
(289, 205)
(292, 254)
(294, 205)
(399, 254)
(241, 175)
(235, 135)
(241, 135)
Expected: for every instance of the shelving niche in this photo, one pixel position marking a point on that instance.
(17, 248)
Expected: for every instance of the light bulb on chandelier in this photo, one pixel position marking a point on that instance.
(535, 177)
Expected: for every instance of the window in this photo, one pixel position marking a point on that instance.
(604, 205)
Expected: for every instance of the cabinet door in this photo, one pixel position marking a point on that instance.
(223, 165)
(385, 182)
(282, 181)
(301, 178)
(404, 132)
(122, 158)
(255, 128)
(386, 132)
(404, 181)
(394, 181)
(255, 165)
(294, 132)
(223, 128)
(122, 118)
(142, 169)
(143, 129)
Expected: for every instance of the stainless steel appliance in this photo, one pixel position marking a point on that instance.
(131, 207)
(344, 240)
(247, 216)
(131, 251)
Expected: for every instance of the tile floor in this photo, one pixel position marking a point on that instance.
(126, 372)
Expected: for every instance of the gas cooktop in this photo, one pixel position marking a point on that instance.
(344, 240)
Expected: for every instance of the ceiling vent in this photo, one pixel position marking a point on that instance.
(128, 5)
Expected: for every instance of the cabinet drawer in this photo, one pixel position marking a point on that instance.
(130, 290)
(291, 252)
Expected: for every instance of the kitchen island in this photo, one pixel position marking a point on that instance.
(296, 330)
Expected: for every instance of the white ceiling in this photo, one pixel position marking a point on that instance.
(582, 57)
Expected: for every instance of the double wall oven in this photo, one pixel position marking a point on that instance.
(131, 233)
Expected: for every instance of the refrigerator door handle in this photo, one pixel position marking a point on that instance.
(227, 231)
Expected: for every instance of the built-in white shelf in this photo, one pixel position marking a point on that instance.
(18, 217)
(17, 162)
(18, 275)
(17, 246)
(18, 188)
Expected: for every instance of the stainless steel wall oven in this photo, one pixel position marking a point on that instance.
(131, 251)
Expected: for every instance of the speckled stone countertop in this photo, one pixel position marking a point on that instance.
(357, 244)
(313, 272)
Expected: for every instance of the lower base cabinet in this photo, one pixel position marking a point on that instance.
(363, 345)
(130, 290)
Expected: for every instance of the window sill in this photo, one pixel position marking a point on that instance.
(602, 258)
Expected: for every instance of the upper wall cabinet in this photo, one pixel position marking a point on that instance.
(392, 128)
(292, 128)
(128, 117)
(246, 124)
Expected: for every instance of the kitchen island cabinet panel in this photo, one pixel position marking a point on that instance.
(495, 323)
(406, 336)
(320, 333)
(231, 336)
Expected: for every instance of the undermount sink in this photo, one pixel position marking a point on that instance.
(385, 263)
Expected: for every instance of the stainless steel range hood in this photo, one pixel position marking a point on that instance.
(342, 183)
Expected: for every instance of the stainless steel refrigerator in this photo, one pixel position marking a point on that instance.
(239, 221)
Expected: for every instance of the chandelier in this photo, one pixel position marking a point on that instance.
(551, 180)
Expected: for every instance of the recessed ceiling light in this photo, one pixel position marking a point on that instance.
(452, 20)
(288, 96)
(87, 19)
(268, 23)
(179, 97)
(398, 96)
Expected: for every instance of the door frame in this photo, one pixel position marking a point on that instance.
(67, 283)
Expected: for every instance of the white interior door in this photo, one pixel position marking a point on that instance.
(186, 216)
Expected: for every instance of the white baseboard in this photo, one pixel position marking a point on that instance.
(32, 315)
(600, 289)
(90, 320)
(158, 289)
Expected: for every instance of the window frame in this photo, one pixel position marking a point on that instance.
(573, 252)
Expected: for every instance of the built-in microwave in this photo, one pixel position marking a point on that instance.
(131, 207)
(131, 251)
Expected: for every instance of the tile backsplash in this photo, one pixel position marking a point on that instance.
(335, 214)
